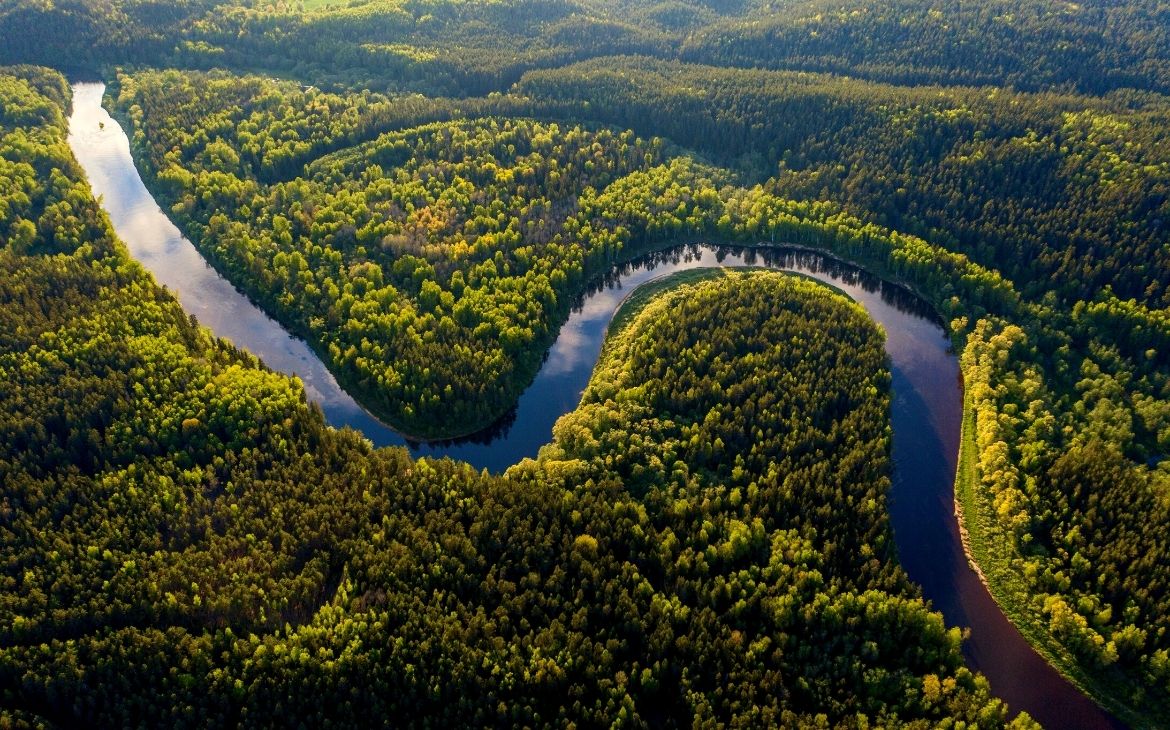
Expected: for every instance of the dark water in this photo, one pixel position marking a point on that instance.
(926, 406)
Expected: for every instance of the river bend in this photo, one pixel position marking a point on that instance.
(926, 404)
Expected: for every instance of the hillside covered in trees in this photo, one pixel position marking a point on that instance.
(186, 542)
(473, 48)
(423, 189)
(1057, 363)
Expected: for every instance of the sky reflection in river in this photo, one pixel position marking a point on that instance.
(925, 409)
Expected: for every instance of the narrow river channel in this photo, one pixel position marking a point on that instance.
(925, 414)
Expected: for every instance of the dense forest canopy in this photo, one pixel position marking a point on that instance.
(1064, 193)
(472, 48)
(422, 189)
(186, 543)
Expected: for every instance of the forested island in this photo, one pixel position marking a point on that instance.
(705, 539)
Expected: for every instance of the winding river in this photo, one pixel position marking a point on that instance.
(926, 405)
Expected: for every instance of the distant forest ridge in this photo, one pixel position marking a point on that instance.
(470, 48)
(422, 190)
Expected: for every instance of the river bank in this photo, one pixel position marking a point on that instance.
(926, 412)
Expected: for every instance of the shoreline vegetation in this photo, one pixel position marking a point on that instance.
(976, 536)
(825, 240)
(422, 206)
(222, 558)
(368, 397)
(983, 547)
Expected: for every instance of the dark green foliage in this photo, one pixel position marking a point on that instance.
(186, 544)
(430, 266)
(1094, 46)
(1072, 488)
(83, 34)
(755, 391)
(429, 248)
(1106, 178)
(467, 49)
(1059, 192)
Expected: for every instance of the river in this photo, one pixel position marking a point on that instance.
(926, 406)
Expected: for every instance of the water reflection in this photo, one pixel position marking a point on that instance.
(569, 364)
(925, 408)
(823, 267)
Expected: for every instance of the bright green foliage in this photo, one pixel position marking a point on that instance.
(757, 393)
(1068, 485)
(430, 266)
(1034, 402)
(44, 205)
(429, 249)
(129, 435)
(263, 128)
(1059, 192)
(186, 543)
(473, 48)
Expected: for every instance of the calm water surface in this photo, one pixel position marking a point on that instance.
(925, 413)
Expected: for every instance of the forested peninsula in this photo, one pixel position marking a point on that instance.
(283, 572)
(423, 190)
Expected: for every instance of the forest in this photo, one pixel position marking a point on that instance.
(186, 543)
(449, 47)
(423, 190)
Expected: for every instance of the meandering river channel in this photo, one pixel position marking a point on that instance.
(925, 413)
